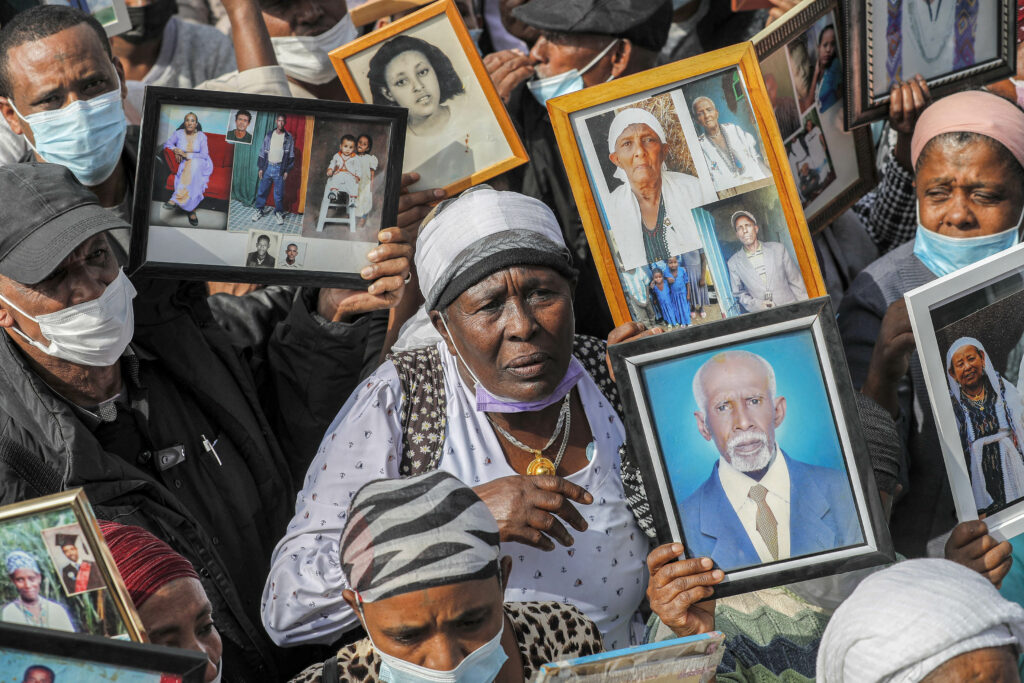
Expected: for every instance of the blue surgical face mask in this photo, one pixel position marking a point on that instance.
(543, 89)
(87, 136)
(944, 255)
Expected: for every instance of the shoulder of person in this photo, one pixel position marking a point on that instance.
(553, 631)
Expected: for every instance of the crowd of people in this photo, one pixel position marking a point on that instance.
(430, 478)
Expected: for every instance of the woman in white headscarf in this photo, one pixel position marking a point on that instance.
(987, 410)
(649, 214)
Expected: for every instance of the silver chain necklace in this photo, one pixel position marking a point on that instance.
(540, 464)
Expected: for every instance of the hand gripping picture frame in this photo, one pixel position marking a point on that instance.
(459, 133)
(59, 574)
(682, 183)
(233, 187)
(750, 446)
(802, 65)
(970, 339)
(953, 44)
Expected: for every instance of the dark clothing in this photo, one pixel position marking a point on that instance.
(287, 161)
(544, 178)
(253, 260)
(984, 421)
(69, 575)
(223, 506)
(244, 140)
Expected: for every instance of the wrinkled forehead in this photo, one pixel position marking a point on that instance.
(637, 129)
(722, 375)
(63, 59)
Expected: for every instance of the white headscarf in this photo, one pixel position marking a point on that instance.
(631, 117)
(905, 621)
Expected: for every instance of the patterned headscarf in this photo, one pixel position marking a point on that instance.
(145, 562)
(19, 559)
(411, 534)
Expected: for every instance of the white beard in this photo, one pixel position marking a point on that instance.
(749, 463)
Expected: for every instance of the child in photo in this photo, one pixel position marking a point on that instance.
(677, 281)
(663, 295)
(364, 201)
(345, 171)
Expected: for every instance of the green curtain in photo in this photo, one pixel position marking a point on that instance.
(244, 178)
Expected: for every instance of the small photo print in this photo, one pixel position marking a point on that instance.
(817, 69)
(751, 252)
(292, 253)
(103, 11)
(676, 292)
(810, 160)
(241, 125)
(779, 84)
(73, 558)
(262, 246)
(31, 667)
(192, 168)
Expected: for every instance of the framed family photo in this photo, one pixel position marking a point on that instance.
(801, 61)
(750, 446)
(685, 192)
(248, 188)
(953, 44)
(60, 657)
(970, 338)
(59, 574)
(459, 133)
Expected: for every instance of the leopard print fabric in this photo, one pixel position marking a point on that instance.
(425, 418)
(546, 632)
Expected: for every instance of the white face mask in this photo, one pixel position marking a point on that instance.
(93, 333)
(305, 59)
(220, 671)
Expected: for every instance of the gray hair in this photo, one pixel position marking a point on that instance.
(698, 379)
(693, 107)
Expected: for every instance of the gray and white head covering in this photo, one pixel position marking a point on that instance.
(406, 535)
(904, 622)
(19, 559)
(480, 232)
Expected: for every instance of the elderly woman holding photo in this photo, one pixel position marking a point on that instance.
(512, 403)
(650, 212)
(732, 154)
(189, 146)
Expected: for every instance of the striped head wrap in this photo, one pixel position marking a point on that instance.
(406, 535)
(19, 559)
(145, 562)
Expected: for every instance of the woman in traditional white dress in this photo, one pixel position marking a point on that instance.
(732, 153)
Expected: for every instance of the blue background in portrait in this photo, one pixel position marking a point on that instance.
(807, 433)
(14, 662)
(714, 87)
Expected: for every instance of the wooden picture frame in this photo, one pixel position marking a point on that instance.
(90, 598)
(333, 208)
(440, 154)
(875, 53)
(847, 170)
(733, 75)
(979, 303)
(76, 657)
(835, 511)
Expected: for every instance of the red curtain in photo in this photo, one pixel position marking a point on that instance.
(296, 125)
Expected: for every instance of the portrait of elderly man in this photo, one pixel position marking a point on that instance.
(31, 608)
(650, 212)
(988, 417)
(37, 673)
(763, 274)
(732, 153)
(760, 504)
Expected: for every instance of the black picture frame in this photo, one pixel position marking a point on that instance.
(187, 664)
(816, 316)
(863, 106)
(392, 118)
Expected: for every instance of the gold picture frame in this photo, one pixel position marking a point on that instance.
(83, 599)
(732, 76)
(436, 153)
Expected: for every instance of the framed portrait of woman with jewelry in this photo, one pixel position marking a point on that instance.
(459, 133)
(685, 192)
(59, 573)
(802, 64)
(953, 44)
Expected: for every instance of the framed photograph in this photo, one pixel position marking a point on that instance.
(684, 189)
(693, 659)
(60, 657)
(58, 572)
(751, 449)
(953, 44)
(227, 181)
(112, 14)
(801, 61)
(970, 338)
(459, 133)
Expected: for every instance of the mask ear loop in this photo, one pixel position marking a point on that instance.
(451, 338)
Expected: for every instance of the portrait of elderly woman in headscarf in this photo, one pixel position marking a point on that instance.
(733, 154)
(923, 620)
(426, 575)
(968, 155)
(988, 416)
(511, 402)
(650, 212)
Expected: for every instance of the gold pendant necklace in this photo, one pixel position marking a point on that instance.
(540, 464)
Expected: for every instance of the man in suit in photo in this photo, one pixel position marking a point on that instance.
(78, 575)
(759, 504)
(763, 274)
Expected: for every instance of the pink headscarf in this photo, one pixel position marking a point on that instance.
(972, 111)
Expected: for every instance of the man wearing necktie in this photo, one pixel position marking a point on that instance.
(759, 504)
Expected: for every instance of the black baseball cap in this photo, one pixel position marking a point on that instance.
(46, 215)
(645, 23)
